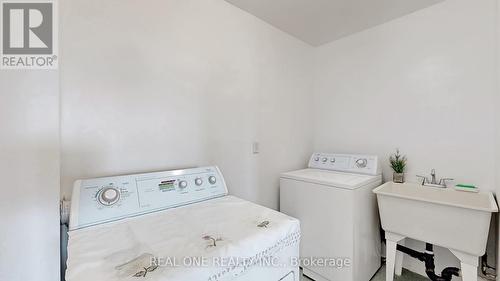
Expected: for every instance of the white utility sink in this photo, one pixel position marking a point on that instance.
(445, 217)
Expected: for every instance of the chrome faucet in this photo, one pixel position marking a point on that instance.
(433, 182)
(433, 176)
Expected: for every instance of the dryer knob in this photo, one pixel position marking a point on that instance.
(316, 159)
(324, 159)
(198, 181)
(212, 179)
(183, 184)
(109, 196)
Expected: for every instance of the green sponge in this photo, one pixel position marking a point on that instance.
(466, 187)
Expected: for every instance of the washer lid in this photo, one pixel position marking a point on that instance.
(331, 178)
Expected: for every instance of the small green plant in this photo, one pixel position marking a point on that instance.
(398, 162)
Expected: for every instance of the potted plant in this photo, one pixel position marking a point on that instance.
(398, 165)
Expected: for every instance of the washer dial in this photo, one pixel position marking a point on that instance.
(361, 162)
(108, 196)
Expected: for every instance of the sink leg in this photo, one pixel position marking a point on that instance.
(468, 264)
(399, 260)
(391, 241)
(469, 272)
(390, 260)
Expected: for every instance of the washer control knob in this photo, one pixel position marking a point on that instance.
(324, 159)
(332, 160)
(316, 159)
(212, 179)
(361, 163)
(183, 184)
(198, 181)
(109, 196)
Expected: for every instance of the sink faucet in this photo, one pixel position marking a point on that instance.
(433, 182)
(433, 176)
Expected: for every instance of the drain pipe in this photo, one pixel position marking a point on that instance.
(428, 258)
(488, 272)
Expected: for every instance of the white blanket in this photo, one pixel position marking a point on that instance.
(219, 239)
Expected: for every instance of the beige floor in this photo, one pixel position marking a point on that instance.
(380, 276)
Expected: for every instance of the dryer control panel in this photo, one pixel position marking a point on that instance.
(351, 163)
(101, 200)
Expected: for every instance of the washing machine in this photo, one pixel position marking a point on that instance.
(337, 210)
(178, 225)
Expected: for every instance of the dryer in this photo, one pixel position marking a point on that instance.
(337, 210)
(178, 225)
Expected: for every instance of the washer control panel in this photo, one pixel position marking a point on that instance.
(351, 163)
(101, 200)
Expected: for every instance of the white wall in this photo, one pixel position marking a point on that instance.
(498, 132)
(29, 168)
(152, 85)
(425, 83)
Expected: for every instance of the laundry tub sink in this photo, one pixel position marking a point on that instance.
(445, 217)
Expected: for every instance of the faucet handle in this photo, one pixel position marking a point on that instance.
(443, 181)
(424, 179)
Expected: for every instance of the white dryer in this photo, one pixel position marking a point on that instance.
(178, 226)
(337, 210)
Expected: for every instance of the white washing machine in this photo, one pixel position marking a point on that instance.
(337, 210)
(176, 226)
